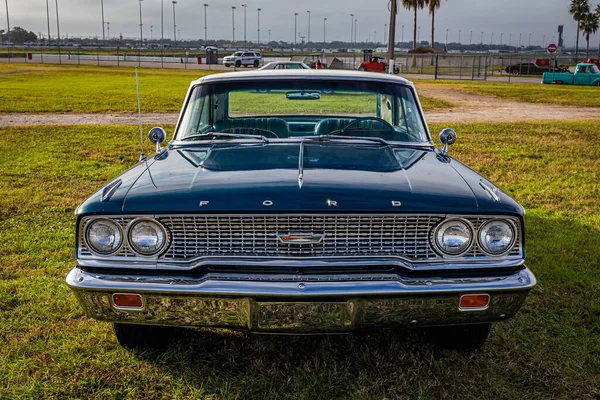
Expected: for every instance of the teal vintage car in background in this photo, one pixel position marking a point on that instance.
(585, 74)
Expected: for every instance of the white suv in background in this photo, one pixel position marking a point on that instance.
(244, 58)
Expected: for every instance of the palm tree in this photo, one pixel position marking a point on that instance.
(415, 5)
(433, 5)
(578, 9)
(589, 26)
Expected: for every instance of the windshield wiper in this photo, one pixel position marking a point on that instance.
(229, 135)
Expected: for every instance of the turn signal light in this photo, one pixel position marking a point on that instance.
(128, 300)
(474, 301)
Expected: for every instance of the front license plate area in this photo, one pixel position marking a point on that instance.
(300, 317)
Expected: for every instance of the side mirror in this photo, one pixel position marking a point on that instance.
(447, 137)
(157, 135)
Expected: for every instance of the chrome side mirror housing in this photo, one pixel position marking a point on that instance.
(157, 136)
(447, 137)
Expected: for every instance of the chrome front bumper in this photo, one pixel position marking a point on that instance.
(299, 304)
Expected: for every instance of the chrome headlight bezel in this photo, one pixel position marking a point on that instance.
(161, 229)
(440, 248)
(510, 246)
(91, 247)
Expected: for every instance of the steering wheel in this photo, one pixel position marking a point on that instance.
(376, 119)
(251, 131)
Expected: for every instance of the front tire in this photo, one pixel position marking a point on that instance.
(132, 336)
(466, 337)
(396, 70)
(238, 63)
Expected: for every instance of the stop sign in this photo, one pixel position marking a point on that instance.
(552, 48)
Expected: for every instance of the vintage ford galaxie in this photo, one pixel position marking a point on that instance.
(301, 202)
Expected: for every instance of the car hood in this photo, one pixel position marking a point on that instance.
(190, 180)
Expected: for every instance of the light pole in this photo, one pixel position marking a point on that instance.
(174, 22)
(471, 38)
(519, 40)
(492, 38)
(141, 33)
(102, 10)
(529, 40)
(258, 30)
(324, 21)
(295, 28)
(162, 32)
(108, 29)
(245, 41)
(58, 32)
(446, 39)
(151, 31)
(418, 35)
(384, 34)
(459, 31)
(402, 40)
(355, 27)
(233, 26)
(501, 34)
(509, 39)
(7, 21)
(269, 36)
(351, 27)
(205, 27)
(308, 11)
(48, 17)
(481, 38)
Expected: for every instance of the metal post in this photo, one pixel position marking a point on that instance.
(324, 20)
(460, 68)
(295, 28)
(232, 26)
(58, 33)
(245, 41)
(8, 27)
(102, 8)
(205, 27)
(258, 30)
(435, 72)
(351, 28)
(308, 40)
(48, 18)
(174, 24)
(473, 69)
(141, 37)
(162, 34)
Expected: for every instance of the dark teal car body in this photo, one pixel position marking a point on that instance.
(301, 221)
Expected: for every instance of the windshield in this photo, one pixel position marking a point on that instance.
(288, 109)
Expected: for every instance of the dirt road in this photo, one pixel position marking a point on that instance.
(467, 108)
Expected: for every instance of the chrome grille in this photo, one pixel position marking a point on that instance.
(257, 236)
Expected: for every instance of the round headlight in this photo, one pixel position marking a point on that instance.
(496, 237)
(103, 236)
(146, 237)
(454, 237)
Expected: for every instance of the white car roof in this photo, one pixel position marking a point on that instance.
(302, 74)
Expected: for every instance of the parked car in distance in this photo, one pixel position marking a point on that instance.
(295, 212)
(245, 58)
(284, 65)
(376, 64)
(530, 68)
(585, 74)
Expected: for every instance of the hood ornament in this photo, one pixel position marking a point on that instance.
(301, 166)
(301, 238)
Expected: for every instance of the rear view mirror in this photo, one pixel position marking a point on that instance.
(303, 95)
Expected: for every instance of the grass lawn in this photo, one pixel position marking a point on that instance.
(550, 350)
(564, 95)
(35, 88)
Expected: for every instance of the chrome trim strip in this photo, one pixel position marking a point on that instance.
(490, 191)
(110, 189)
(331, 285)
(301, 164)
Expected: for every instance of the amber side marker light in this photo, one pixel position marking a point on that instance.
(128, 300)
(474, 302)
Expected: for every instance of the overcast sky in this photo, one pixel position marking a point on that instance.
(509, 17)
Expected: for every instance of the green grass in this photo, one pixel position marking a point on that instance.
(551, 349)
(563, 95)
(34, 88)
